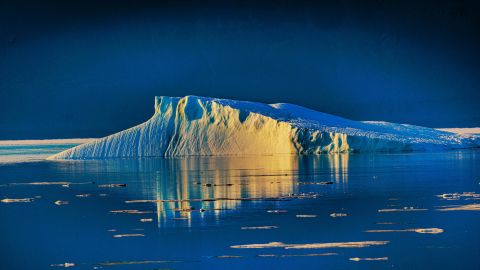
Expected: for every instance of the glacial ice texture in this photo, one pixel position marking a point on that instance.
(194, 125)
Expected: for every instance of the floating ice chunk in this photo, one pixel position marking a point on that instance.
(260, 228)
(338, 245)
(113, 263)
(66, 265)
(66, 184)
(146, 220)
(22, 200)
(356, 259)
(306, 216)
(228, 257)
(267, 245)
(277, 211)
(429, 230)
(112, 185)
(468, 207)
(128, 235)
(404, 209)
(335, 215)
(297, 255)
(130, 211)
(417, 230)
(360, 244)
(458, 196)
(61, 202)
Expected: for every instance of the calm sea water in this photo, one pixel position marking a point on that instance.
(196, 213)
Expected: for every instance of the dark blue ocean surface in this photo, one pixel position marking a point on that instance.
(193, 213)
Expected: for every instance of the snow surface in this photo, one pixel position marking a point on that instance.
(208, 126)
(475, 130)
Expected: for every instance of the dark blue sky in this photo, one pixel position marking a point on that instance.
(91, 68)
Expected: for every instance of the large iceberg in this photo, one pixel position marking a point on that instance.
(191, 125)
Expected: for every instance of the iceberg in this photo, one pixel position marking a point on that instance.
(201, 126)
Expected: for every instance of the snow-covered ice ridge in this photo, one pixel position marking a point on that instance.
(193, 125)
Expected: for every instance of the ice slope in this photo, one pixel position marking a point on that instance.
(208, 126)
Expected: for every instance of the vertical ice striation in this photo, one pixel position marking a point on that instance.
(207, 126)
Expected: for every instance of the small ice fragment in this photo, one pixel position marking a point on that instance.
(51, 183)
(112, 185)
(417, 230)
(404, 209)
(335, 215)
(429, 230)
(260, 228)
(277, 211)
(128, 235)
(356, 259)
(360, 244)
(306, 216)
(467, 207)
(267, 245)
(113, 263)
(66, 265)
(22, 200)
(228, 257)
(457, 196)
(298, 255)
(130, 211)
(61, 202)
(110, 263)
(146, 220)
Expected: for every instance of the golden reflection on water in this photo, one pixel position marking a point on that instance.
(245, 177)
(183, 179)
(222, 178)
(339, 167)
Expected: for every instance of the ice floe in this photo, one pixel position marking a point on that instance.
(359, 244)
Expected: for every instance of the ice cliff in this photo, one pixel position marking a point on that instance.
(194, 125)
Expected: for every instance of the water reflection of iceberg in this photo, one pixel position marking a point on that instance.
(213, 178)
(191, 184)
